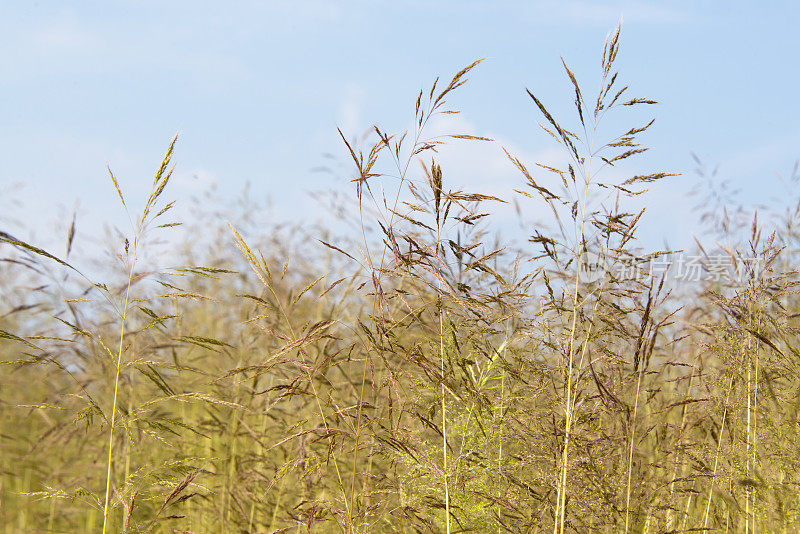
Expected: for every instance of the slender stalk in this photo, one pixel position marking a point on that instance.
(444, 430)
(561, 501)
(116, 383)
(678, 450)
(716, 457)
(444, 406)
(630, 453)
(755, 433)
(749, 437)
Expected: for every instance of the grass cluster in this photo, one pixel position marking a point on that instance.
(419, 375)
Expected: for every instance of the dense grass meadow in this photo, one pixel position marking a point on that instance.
(413, 368)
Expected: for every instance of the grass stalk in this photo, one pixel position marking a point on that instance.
(630, 449)
(109, 461)
(561, 502)
(717, 454)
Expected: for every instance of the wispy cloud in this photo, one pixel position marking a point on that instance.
(483, 167)
(349, 115)
(64, 32)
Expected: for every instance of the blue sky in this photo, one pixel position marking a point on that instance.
(256, 90)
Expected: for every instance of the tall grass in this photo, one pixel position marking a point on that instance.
(424, 373)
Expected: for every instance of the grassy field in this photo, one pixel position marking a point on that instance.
(420, 374)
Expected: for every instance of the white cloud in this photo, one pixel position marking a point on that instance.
(483, 167)
(349, 115)
(64, 32)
